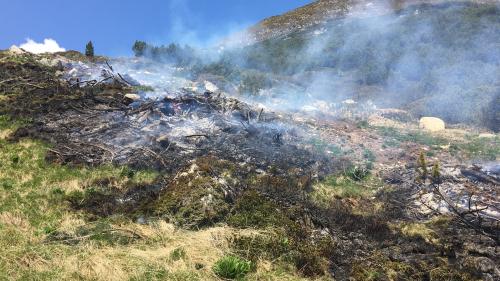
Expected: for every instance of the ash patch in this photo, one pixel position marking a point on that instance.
(169, 133)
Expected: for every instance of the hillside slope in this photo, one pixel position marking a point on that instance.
(436, 59)
(94, 186)
(321, 11)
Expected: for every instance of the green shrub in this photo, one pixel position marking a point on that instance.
(231, 267)
(196, 200)
(422, 166)
(139, 48)
(252, 82)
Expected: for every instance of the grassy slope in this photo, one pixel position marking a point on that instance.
(42, 238)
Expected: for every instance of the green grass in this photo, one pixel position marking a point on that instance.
(28, 182)
(231, 267)
(358, 183)
(144, 88)
(33, 202)
(346, 187)
(6, 123)
(478, 148)
(396, 136)
(322, 146)
(471, 147)
(369, 156)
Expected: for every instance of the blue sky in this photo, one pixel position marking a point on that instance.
(114, 25)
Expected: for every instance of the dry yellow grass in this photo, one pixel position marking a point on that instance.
(5, 134)
(419, 230)
(15, 220)
(90, 261)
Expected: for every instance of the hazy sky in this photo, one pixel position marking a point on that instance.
(114, 25)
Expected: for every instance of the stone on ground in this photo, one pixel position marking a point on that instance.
(132, 97)
(432, 124)
(487, 136)
(15, 50)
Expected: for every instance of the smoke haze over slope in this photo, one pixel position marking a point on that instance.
(441, 60)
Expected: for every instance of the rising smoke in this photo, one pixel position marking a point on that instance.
(441, 60)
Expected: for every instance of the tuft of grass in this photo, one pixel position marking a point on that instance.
(178, 254)
(357, 173)
(152, 273)
(420, 230)
(232, 267)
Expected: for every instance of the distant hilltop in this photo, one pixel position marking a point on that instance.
(321, 11)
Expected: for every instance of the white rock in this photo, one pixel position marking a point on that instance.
(209, 86)
(73, 72)
(133, 97)
(15, 50)
(432, 124)
(349, 101)
(487, 136)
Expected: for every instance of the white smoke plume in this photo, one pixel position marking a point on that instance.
(48, 46)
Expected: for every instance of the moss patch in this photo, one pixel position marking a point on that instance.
(198, 197)
(254, 210)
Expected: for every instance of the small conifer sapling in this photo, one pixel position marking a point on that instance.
(89, 50)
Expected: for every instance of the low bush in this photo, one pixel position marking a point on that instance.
(252, 82)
